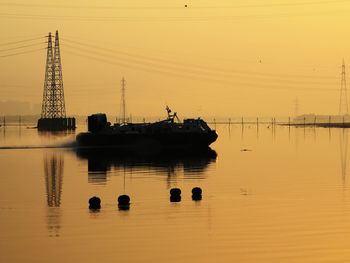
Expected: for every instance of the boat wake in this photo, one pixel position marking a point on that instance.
(69, 144)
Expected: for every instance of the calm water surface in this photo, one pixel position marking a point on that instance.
(284, 199)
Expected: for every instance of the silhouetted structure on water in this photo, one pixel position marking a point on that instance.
(165, 134)
(53, 112)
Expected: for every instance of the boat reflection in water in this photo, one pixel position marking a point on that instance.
(103, 160)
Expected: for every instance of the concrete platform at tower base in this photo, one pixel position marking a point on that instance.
(56, 124)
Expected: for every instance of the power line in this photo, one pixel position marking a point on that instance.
(37, 44)
(198, 69)
(21, 37)
(194, 70)
(176, 7)
(20, 53)
(164, 18)
(20, 41)
(162, 71)
(186, 54)
(273, 4)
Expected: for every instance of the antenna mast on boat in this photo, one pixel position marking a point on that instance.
(123, 104)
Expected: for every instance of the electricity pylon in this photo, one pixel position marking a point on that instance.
(122, 102)
(53, 98)
(343, 103)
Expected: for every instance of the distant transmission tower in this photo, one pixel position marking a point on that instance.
(343, 103)
(123, 103)
(296, 107)
(53, 98)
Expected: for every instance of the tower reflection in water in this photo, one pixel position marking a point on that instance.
(101, 161)
(53, 170)
(343, 142)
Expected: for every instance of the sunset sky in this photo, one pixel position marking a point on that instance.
(211, 58)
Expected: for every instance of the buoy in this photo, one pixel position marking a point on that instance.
(123, 200)
(94, 202)
(175, 195)
(196, 194)
(175, 192)
(196, 191)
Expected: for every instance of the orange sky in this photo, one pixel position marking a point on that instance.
(222, 58)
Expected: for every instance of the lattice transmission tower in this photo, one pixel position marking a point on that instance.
(343, 102)
(123, 102)
(53, 105)
(296, 107)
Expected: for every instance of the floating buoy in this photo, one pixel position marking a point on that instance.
(94, 202)
(196, 191)
(175, 192)
(175, 195)
(124, 202)
(196, 194)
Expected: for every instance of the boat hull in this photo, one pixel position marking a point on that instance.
(166, 140)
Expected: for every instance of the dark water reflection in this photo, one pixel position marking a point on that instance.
(101, 161)
(343, 143)
(53, 171)
(54, 134)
